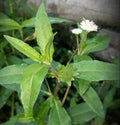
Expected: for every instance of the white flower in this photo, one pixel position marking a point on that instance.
(88, 25)
(76, 31)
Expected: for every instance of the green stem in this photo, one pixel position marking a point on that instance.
(48, 86)
(58, 84)
(77, 39)
(83, 39)
(65, 96)
(10, 7)
(73, 54)
(57, 89)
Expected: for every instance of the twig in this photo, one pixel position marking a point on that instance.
(65, 96)
(54, 72)
(58, 83)
(57, 89)
(48, 86)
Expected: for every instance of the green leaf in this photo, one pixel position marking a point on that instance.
(12, 74)
(81, 113)
(82, 85)
(12, 121)
(109, 97)
(31, 84)
(66, 74)
(96, 70)
(14, 60)
(58, 20)
(78, 58)
(31, 22)
(24, 48)
(7, 24)
(44, 34)
(43, 111)
(95, 44)
(12, 87)
(43, 28)
(93, 101)
(49, 49)
(4, 95)
(58, 115)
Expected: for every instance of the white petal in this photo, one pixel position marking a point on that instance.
(88, 25)
(76, 31)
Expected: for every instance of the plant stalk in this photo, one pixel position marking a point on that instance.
(57, 89)
(65, 96)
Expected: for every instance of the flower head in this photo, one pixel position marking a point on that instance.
(88, 25)
(76, 31)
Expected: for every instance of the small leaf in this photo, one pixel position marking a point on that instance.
(7, 24)
(108, 98)
(82, 85)
(31, 84)
(44, 34)
(81, 113)
(78, 58)
(49, 49)
(12, 121)
(96, 44)
(43, 28)
(93, 101)
(58, 115)
(31, 22)
(4, 95)
(58, 20)
(94, 70)
(14, 60)
(24, 48)
(43, 111)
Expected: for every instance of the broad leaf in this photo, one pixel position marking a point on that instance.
(24, 48)
(81, 113)
(43, 111)
(44, 34)
(12, 74)
(96, 70)
(93, 101)
(95, 44)
(31, 84)
(43, 28)
(58, 115)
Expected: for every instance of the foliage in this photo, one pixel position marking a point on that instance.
(29, 76)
